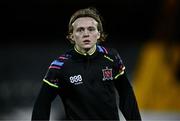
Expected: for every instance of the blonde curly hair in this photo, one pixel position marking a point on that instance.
(87, 12)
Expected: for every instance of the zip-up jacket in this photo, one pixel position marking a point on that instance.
(87, 85)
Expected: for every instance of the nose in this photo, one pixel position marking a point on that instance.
(86, 33)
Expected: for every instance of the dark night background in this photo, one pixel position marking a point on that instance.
(33, 33)
(29, 21)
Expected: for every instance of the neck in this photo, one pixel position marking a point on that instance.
(82, 51)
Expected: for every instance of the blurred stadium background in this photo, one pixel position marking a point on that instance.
(145, 32)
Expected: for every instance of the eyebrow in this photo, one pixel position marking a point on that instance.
(86, 27)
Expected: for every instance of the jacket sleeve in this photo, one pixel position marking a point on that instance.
(42, 106)
(48, 92)
(127, 100)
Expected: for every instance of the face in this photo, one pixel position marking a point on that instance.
(85, 33)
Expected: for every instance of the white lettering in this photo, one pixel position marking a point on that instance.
(77, 79)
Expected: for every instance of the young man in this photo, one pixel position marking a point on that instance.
(86, 76)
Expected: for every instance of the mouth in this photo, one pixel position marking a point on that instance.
(86, 41)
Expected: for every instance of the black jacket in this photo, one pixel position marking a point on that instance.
(86, 85)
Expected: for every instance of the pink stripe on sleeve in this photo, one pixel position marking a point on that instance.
(55, 67)
(105, 50)
(61, 57)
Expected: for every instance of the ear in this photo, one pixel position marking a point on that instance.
(72, 37)
(99, 35)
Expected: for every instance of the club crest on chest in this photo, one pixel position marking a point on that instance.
(107, 74)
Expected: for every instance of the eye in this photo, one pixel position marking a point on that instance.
(80, 29)
(91, 29)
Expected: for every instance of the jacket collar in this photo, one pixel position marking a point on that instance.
(91, 52)
(81, 56)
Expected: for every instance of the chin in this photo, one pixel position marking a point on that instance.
(87, 46)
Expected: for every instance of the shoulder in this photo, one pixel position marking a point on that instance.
(107, 50)
(59, 62)
(111, 52)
